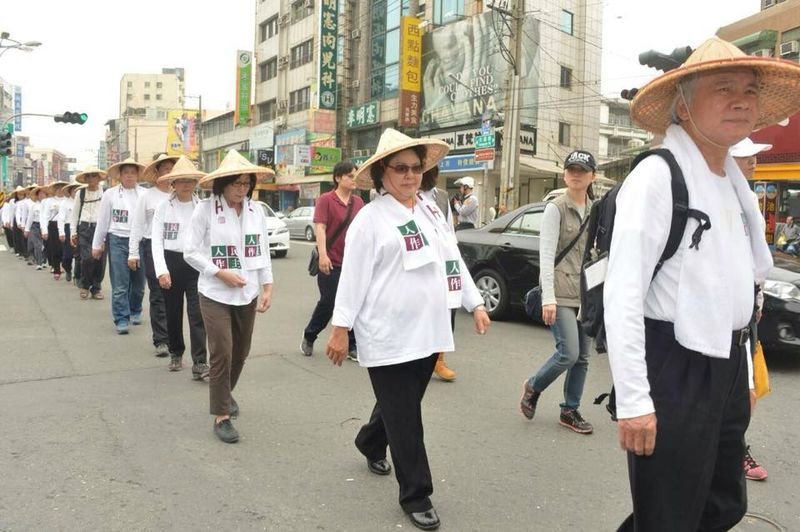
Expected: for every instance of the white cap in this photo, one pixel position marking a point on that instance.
(748, 148)
(467, 181)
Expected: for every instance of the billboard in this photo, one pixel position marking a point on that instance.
(182, 133)
(410, 71)
(244, 82)
(328, 29)
(17, 108)
(463, 72)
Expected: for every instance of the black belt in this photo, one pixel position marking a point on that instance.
(739, 337)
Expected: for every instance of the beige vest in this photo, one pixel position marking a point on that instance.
(567, 275)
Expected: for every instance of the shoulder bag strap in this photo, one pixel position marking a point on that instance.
(569, 247)
(343, 226)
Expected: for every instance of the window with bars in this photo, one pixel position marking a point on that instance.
(268, 70)
(267, 110)
(301, 54)
(301, 9)
(299, 100)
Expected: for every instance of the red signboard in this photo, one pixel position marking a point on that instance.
(484, 154)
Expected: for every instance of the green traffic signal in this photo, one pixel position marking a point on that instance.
(71, 118)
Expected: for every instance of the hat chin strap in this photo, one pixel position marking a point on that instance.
(694, 124)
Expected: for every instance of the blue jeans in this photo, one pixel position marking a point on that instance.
(127, 286)
(572, 356)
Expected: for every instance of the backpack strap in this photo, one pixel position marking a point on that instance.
(82, 194)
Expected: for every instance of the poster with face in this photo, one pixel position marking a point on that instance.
(464, 72)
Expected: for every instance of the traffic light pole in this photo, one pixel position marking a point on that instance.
(509, 171)
(12, 117)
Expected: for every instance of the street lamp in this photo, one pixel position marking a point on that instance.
(15, 44)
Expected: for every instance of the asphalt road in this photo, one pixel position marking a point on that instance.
(98, 435)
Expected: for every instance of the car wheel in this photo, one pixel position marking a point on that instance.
(310, 233)
(281, 253)
(494, 292)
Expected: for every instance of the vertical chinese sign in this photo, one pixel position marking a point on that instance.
(244, 73)
(327, 54)
(410, 71)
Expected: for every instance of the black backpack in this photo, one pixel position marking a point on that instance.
(599, 233)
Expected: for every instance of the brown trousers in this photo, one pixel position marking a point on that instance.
(229, 330)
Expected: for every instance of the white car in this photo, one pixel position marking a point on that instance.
(278, 232)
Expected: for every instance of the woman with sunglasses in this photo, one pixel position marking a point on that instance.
(401, 274)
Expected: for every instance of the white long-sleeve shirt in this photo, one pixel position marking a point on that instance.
(170, 238)
(197, 252)
(21, 212)
(8, 212)
(142, 218)
(468, 210)
(64, 216)
(397, 315)
(91, 206)
(34, 214)
(114, 214)
(49, 209)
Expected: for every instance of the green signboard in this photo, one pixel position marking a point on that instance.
(244, 71)
(367, 114)
(484, 141)
(328, 29)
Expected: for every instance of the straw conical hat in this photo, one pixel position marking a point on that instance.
(779, 81)
(81, 177)
(113, 170)
(19, 189)
(235, 164)
(183, 169)
(69, 188)
(150, 173)
(392, 141)
(55, 185)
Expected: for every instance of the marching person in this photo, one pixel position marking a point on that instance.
(21, 207)
(33, 227)
(332, 215)
(114, 222)
(141, 229)
(401, 274)
(7, 217)
(177, 279)
(228, 245)
(85, 209)
(563, 236)
(681, 372)
(64, 223)
(50, 208)
(467, 205)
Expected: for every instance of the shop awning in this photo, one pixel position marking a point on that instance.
(758, 40)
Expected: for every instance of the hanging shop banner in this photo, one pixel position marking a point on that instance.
(410, 71)
(244, 72)
(323, 159)
(328, 29)
(367, 114)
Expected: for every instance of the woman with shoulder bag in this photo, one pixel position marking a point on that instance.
(563, 234)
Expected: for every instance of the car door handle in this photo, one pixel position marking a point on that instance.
(506, 245)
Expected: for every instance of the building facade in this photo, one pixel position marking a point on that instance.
(619, 139)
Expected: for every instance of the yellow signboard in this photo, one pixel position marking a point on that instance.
(183, 133)
(410, 55)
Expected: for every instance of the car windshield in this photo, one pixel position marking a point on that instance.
(269, 212)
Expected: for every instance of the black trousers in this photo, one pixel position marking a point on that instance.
(66, 256)
(53, 247)
(158, 310)
(184, 284)
(92, 271)
(327, 284)
(9, 237)
(694, 481)
(396, 421)
(20, 242)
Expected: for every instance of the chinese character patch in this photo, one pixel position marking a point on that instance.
(252, 245)
(171, 231)
(119, 216)
(453, 270)
(225, 257)
(414, 239)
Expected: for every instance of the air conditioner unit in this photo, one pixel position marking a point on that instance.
(790, 47)
(283, 61)
(282, 105)
(355, 34)
(283, 20)
(770, 3)
(764, 52)
(279, 121)
(356, 83)
(308, 4)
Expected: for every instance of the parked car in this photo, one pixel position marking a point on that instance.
(277, 232)
(503, 258)
(779, 329)
(301, 223)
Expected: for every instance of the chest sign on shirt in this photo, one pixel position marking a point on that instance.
(119, 216)
(171, 230)
(225, 257)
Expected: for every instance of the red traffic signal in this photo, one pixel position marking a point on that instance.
(71, 118)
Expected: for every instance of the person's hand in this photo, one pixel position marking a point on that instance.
(752, 401)
(231, 279)
(44, 236)
(758, 315)
(27, 234)
(265, 299)
(74, 240)
(62, 238)
(165, 281)
(337, 345)
(481, 319)
(638, 434)
(549, 314)
(325, 264)
(133, 264)
(97, 254)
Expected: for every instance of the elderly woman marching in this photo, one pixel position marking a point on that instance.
(50, 209)
(64, 225)
(228, 245)
(176, 278)
(33, 227)
(402, 273)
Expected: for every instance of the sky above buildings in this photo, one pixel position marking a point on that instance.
(89, 44)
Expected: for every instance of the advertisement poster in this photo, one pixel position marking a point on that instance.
(182, 133)
(244, 68)
(463, 72)
(323, 159)
(410, 71)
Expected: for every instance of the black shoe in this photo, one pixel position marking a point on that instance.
(306, 347)
(69, 276)
(572, 419)
(234, 408)
(200, 371)
(427, 520)
(379, 467)
(226, 432)
(527, 405)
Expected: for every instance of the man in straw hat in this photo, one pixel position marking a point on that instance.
(85, 207)
(141, 228)
(677, 341)
(178, 280)
(398, 303)
(114, 222)
(228, 245)
(64, 222)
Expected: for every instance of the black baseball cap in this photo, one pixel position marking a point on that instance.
(581, 158)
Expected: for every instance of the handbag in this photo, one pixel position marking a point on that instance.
(760, 373)
(313, 262)
(533, 298)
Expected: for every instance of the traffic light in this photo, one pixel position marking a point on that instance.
(665, 62)
(5, 143)
(628, 94)
(71, 118)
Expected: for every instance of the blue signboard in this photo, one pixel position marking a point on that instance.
(460, 163)
(17, 109)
